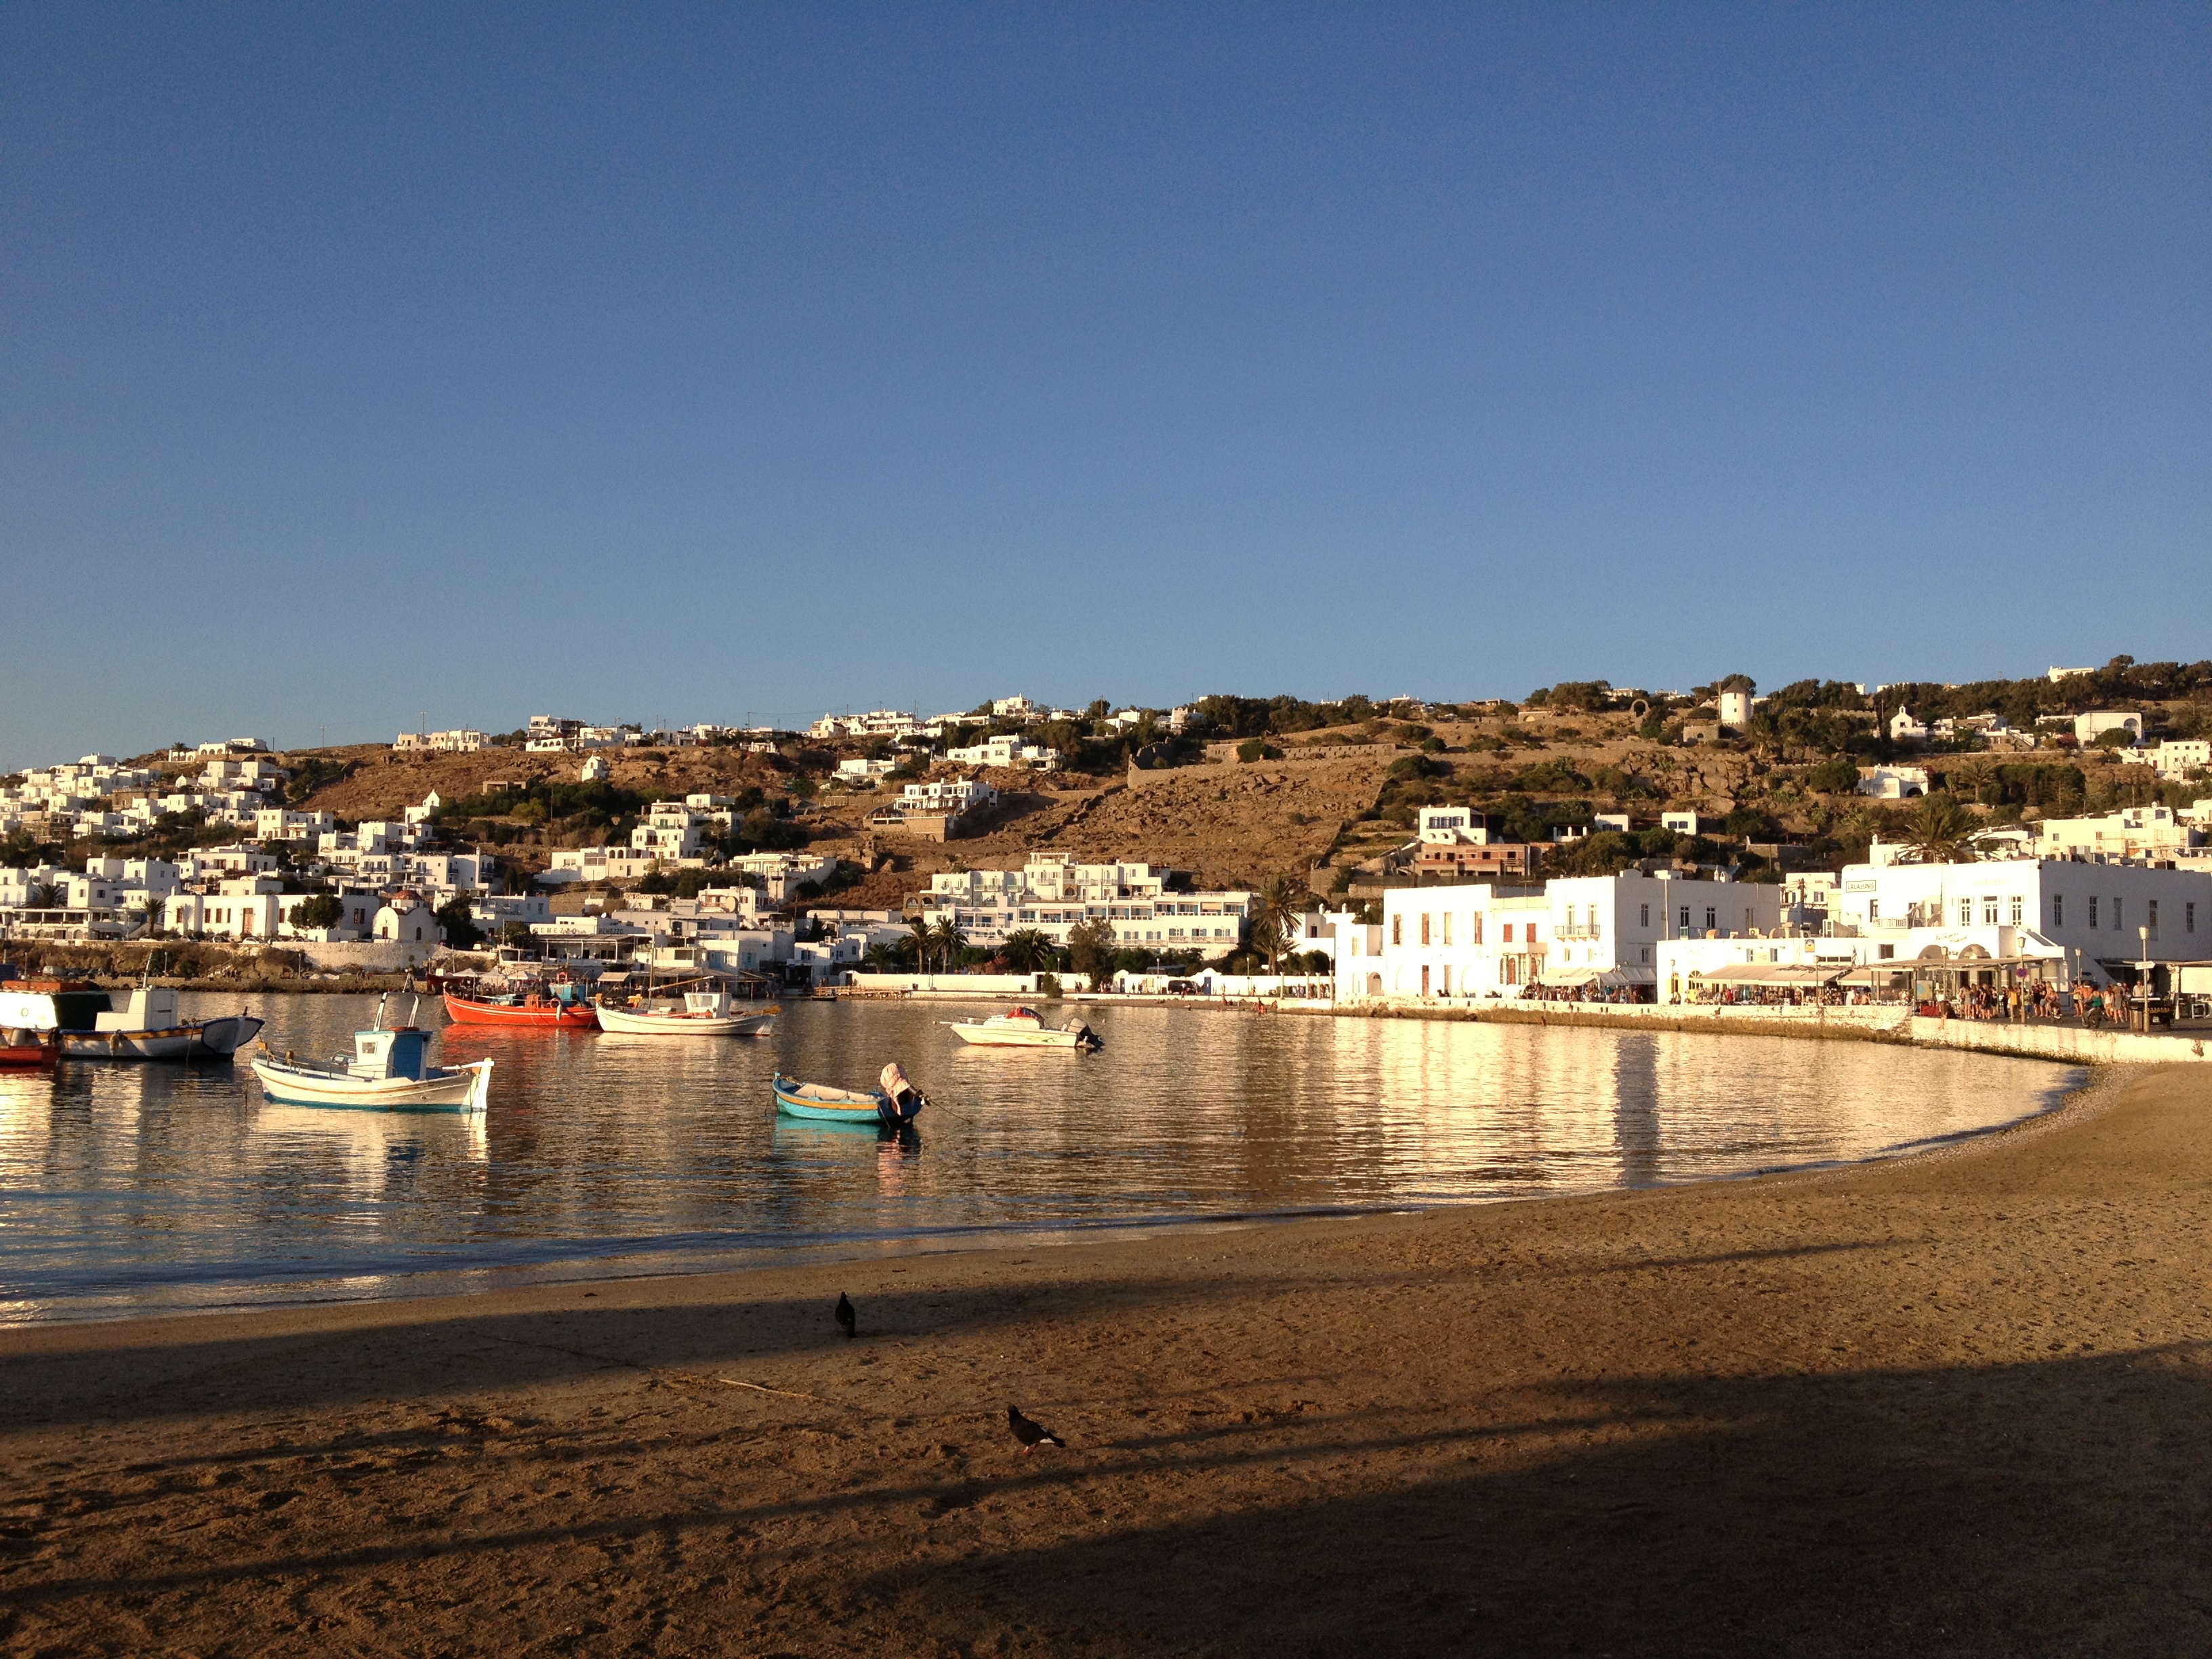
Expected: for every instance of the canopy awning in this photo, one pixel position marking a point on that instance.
(1882, 972)
(1567, 979)
(1773, 973)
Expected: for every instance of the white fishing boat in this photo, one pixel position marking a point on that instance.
(388, 1071)
(701, 1014)
(1023, 1028)
(149, 1027)
(88, 1025)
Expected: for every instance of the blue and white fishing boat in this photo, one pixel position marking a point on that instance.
(897, 1103)
(388, 1071)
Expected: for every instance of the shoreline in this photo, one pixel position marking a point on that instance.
(1954, 1400)
(433, 1283)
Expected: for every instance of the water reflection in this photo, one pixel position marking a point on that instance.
(126, 1186)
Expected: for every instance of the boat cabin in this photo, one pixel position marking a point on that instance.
(400, 1052)
(149, 1008)
(714, 1004)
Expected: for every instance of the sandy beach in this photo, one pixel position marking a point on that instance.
(1953, 1404)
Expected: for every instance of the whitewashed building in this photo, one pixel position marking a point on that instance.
(1005, 751)
(1893, 782)
(2097, 912)
(1054, 892)
(2088, 727)
(2176, 758)
(2132, 832)
(1477, 940)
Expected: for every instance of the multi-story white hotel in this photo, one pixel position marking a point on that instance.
(1052, 893)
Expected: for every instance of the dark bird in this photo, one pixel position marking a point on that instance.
(1031, 1435)
(846, 1321)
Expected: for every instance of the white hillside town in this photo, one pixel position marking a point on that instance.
(1464, 914)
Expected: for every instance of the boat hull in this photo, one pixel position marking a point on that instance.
(547, 1017)
(693, 1025)
(20, 1056)
(461, 1089)
(818, 1104)
(214, 1039)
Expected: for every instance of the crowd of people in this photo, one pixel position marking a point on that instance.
(1781, 996)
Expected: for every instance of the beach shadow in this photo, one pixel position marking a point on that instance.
(2051, 1507)
(2057, 1507)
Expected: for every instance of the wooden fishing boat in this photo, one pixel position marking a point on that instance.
(88, 1026)
(388, 1071)
(558, 1008)
(701, 1014)
(820, 1104)
(1023, 1027)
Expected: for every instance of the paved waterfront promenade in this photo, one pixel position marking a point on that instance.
(2073, 1044)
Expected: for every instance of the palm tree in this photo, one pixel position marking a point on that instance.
(919, 941)
(951, 942)
(42, 896)
(1974, 775)
(883, 957)
(1277, 906)
(1938, 829)
(1027, 950)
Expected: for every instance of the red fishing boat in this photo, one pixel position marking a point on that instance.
(557, 1008)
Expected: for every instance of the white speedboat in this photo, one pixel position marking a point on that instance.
(88, 1026)
(701, 1014)
(388, 1071)
(1023, 1028)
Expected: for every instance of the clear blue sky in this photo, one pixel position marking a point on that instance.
(646, 362)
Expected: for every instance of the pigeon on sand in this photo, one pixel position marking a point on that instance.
(1031, 1435)
(846, 1319)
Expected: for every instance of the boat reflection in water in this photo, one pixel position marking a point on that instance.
(370, 1146)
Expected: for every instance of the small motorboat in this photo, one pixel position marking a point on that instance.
(701, 1014)
(559, 1007)
(388, 1071)
(897, 1101)
(88, 1025)
(1023, 1027)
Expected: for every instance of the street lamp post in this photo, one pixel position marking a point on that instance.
(2142, 979)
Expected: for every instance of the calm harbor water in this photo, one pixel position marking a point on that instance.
(145, 1188)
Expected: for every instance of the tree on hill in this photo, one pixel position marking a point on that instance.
(1837, 776)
